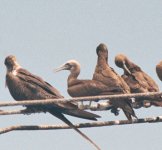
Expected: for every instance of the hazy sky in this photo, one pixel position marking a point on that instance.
(44, 34)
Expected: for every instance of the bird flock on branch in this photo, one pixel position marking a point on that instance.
(24, 85)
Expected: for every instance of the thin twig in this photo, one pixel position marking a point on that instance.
(153, 96)
(81, 125)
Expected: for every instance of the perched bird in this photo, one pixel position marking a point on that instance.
(136, 78)
(78, 87)
(23, 85)
(115, 84)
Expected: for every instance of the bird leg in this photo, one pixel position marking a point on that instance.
(81, 105)
(90, 103)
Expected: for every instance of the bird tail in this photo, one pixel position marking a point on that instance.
(81, 114)
(128, 111)
(73, 110)
(64, 119)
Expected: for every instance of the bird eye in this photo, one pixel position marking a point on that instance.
(67, 64)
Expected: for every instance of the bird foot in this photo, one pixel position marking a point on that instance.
(81, 105)
(115, 111)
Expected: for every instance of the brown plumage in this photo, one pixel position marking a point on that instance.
(159, 74)
(135, 77)
(25, 86)
(80, 88)
(159, 70)
(115, 84)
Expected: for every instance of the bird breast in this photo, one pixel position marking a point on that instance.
(14, 72)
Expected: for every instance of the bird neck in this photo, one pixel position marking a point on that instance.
(73, 75)
(131, 66)
(14, 67)
(102, 61)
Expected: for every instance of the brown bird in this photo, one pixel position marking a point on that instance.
(115, 84)
(23, 85)
(80, 88)
(136, 78)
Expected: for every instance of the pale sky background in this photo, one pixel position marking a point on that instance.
(44, 34)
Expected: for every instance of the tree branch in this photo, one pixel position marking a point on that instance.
(98, 107)
(81, 125)
(152, 96)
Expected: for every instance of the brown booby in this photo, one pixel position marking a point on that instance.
(80, 88)
(115, 84)
(23, 85)
(136, 78)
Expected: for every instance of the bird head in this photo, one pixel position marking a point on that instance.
(11, 62)
(102, 50)
(121, 61)
(71, 65)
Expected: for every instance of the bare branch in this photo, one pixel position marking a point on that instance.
(23, 111)
(81, 125)
(153, 96)
(98, 107)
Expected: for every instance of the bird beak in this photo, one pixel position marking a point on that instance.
(125, 67)
(63, 67)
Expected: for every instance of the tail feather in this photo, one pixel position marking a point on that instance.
(128, 115)
(128, 111)
(64, 119)
(73, 110)
(81, 114)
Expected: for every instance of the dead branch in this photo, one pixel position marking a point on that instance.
(152, 96)
(81, 125)
(100, 106)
